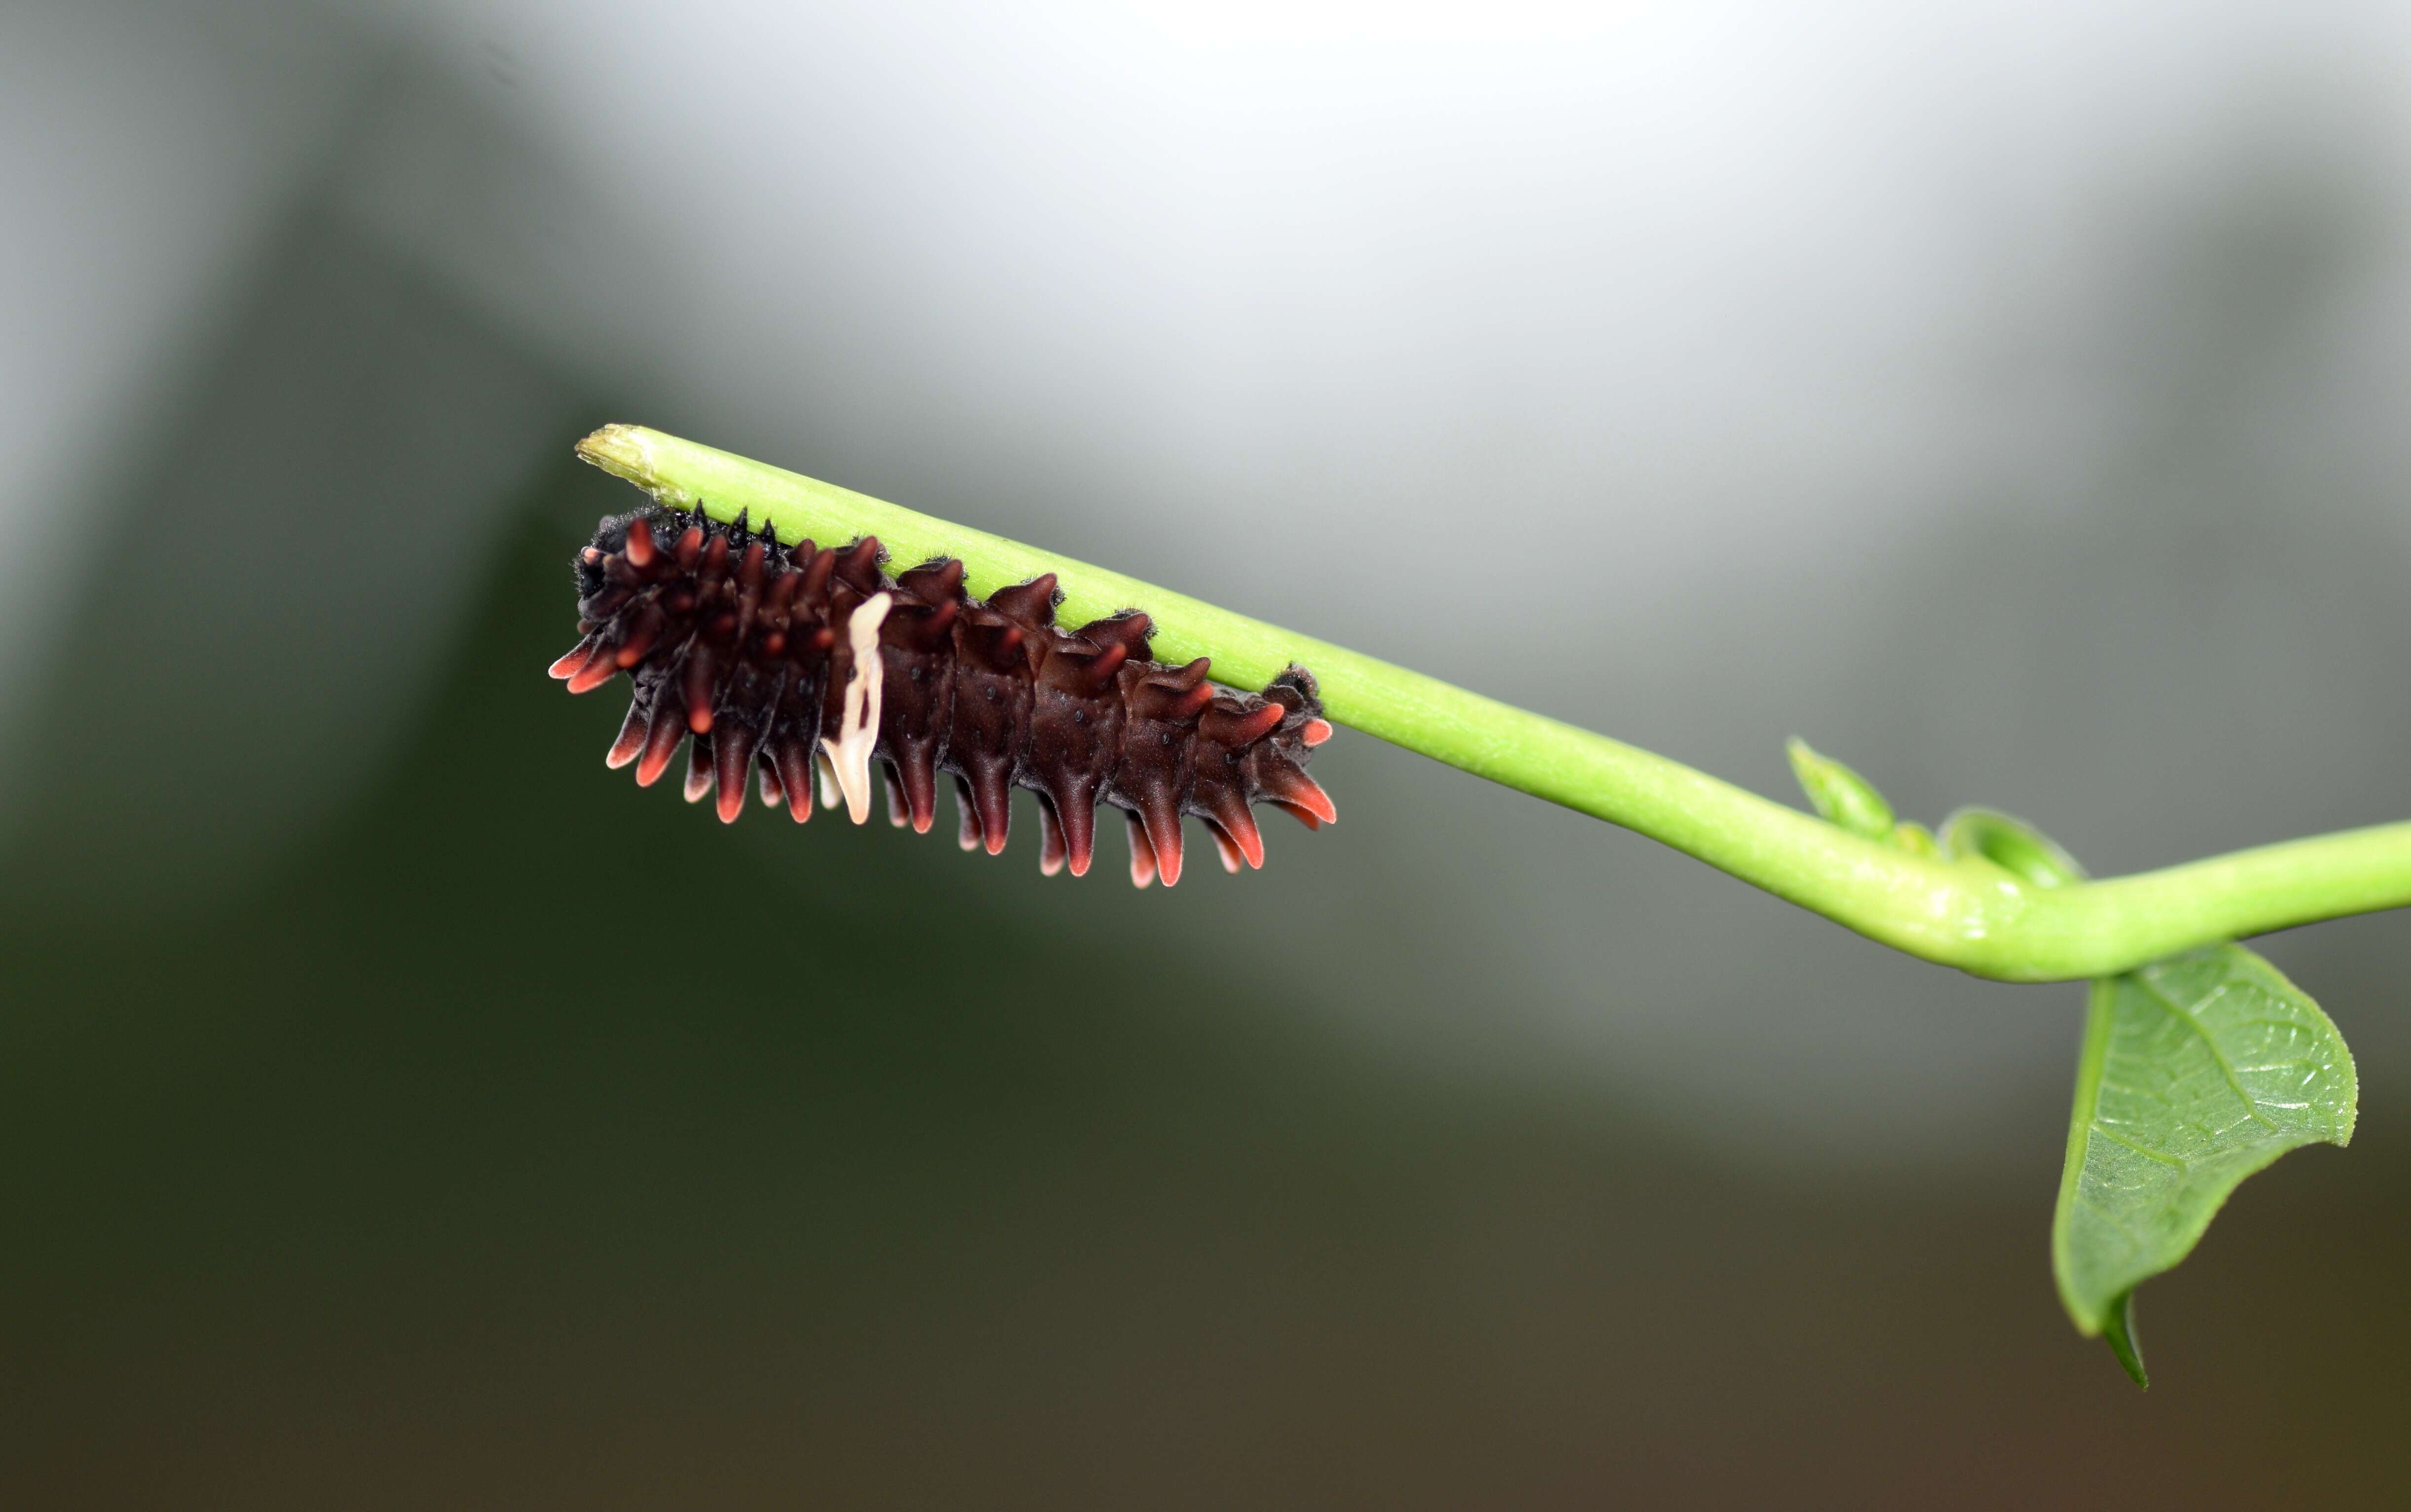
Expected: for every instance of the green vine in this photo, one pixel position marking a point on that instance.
(1971, 906)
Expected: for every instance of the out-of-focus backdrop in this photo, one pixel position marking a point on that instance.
(399, 1109)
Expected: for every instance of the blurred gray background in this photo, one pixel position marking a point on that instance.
(403, 1111)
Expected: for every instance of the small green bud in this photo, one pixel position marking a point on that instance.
(1914, 838)
(1839, 795)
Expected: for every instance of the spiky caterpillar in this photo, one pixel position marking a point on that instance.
(796, 656)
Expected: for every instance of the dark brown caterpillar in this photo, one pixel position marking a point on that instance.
(752, 650)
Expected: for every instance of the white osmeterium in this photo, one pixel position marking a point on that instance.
(849, 753)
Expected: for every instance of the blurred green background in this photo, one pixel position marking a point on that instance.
(402, 1111)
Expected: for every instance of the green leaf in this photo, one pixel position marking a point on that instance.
(2197, 1071)
(2010, 843)
(1840, 796)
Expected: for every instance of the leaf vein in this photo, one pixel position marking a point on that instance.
(2143, 1149)
(2226, 1067)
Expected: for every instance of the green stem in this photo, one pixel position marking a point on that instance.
(1964, 914)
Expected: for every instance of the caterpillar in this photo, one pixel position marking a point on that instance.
(801, 662)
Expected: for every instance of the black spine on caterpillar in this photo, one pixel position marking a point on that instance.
(793, 659)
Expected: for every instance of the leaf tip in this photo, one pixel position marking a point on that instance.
(2118, 1331)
